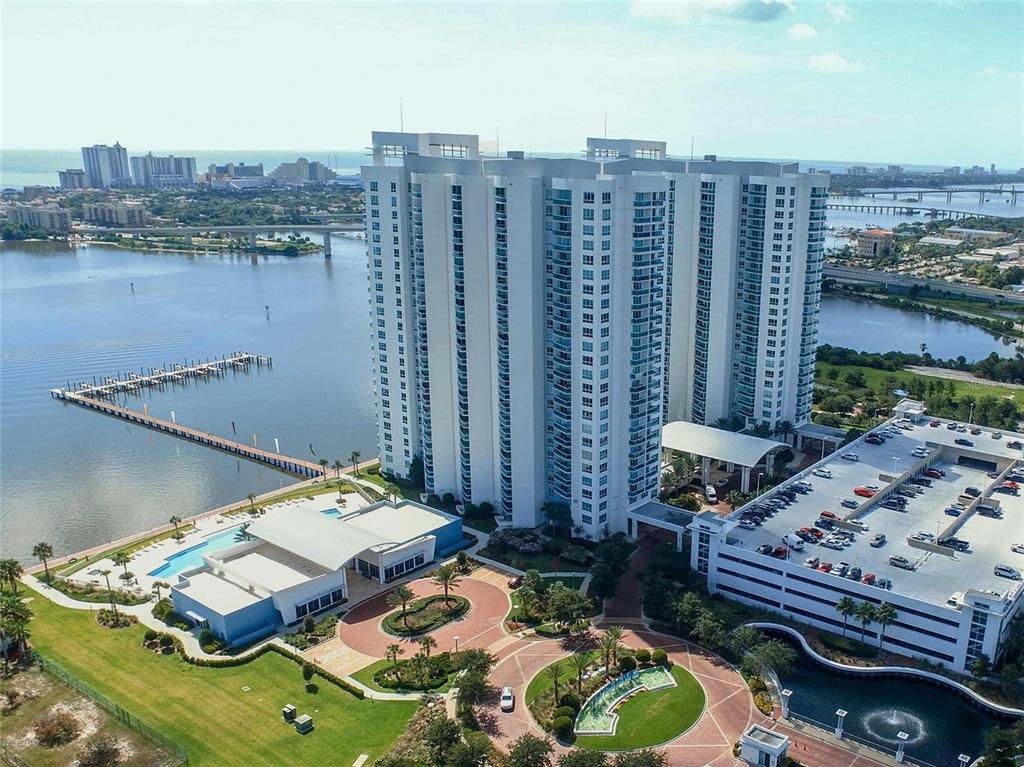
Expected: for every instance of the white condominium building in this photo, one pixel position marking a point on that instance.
(106, 166)
(519, 316)
(163, 172)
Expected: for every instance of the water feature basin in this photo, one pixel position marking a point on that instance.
(598, 717)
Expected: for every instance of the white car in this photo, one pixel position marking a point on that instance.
(850, 457)
(508, 699)
(923, 536)
(746, 524)
(1017, 548)
(822, 472)
(1005, 571)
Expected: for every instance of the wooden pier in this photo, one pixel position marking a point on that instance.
(278, 461)
(131, 381)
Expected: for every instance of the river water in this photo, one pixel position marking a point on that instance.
(76, 478)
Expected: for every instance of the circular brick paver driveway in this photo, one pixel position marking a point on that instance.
(729, 709)
(483, 625)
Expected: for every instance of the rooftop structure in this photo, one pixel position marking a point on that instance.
(48, 217)
(710, 443)
(944, 242)
(951, 604)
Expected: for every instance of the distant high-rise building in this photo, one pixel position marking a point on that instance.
(858, 170)
(992, 169)
(303, 170)
(72, 178)
(115, 213)
(952, 171)
(49, 217)
(875, 242)
(527, 313)
(236, 170)
(36, 192)
(163, 172)
(106, 166)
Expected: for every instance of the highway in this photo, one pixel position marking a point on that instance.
(870, 276)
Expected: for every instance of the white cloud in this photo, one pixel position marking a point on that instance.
(838, 12)
(802, 32)
(994, 72)
(756, 11)
(833, 63)
(989, 71)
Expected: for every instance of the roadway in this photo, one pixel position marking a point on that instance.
(859, 275)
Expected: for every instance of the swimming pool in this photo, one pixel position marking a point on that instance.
(331, 512)
(193, 555)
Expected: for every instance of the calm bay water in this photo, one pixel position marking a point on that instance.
(76, 478)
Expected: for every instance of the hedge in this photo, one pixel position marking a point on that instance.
(241, 660)
(562, 726)
(659, 657)
(392, 623)
(847, 645)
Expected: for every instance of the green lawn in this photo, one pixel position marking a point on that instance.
(209, 710)
(541, 683)
(652, 718)
(874, 377)
(365, 675)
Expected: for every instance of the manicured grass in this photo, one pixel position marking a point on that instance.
(206, 709)
(874, 377)
(652, 718)
(541, 683)
(425, 615)
(365, 675)
(848, 645)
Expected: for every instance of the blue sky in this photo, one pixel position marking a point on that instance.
(926, 82)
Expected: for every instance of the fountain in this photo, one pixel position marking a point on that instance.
(597, 715)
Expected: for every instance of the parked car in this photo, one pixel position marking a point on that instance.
(779, 552)
(932, 473)
(953, 511)
(951, 426)
(975, 431)
(933, 423)
(922, 536)
(746, 524)
(854, 573)
(964, 442)
(841, 568)
(794, 541)
(868, 579)
(811, 561)
(954, 543)
(892, 503)
(873, 440)
(515, 583)
(710, 494)
(832, 543)
(883, 583)
(877, 540)
(825, 524)
(508, 699)
(920, 481)
(825, 567)
(849, 503)
(828, 514)
(902, 562)
(1017, 548)
(764, 548)
(1015, 444)
(997, 435)
(822, 472)
(972, 491)
(863, 492)
(1005, 571)
(850, 457)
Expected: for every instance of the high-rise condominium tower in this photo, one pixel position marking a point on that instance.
(106, 166)
(520, 314)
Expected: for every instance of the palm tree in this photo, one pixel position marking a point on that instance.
(866, 613)
(337, 466)
(447, 577)
(616, 633)
(886, 614)
(10, 571)
(554, 673)
(14, 618)
(846, 607)
(43, 551)
(784, 429)
(121, 559)
(392, 491)
(669, 480)
(579, 662)
(607, 645)
(176, 520)
(353, 458)
(252, 503)
(157, 585)
(924, 348)
(427, 643)
(392, 653)
(324, 463)
(110, 591)
(735, 499)
(400, 596)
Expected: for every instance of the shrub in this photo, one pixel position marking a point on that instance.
(643, 655)
(101, 751)
(551, 546)
(576, 554)
(150, 635)
(375, 469)
(626, 664)
(847, 646)
(161, 608)
(55, 728)
(166, 640)
(298, 641)
(562, 726)
(309, 624)
(463, 561)
(757, 685)
(564, 711)
(113, 620)
(570, 700)
(764, 703)
(660, 657)
(206, 636)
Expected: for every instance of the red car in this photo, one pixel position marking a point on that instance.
(933, 473)
(863, 492)
(828, 514)
(515, 583)
(825, 567)
(933, 423)
(780, 552)
(1010, 484)
(812, 531)
(868, 579)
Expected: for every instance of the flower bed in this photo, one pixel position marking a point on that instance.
(425, 615)
(415, 674)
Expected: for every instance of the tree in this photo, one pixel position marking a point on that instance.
(558, 515)
(709, 631)
(10, 571)
(866, 614)
(43, 551)
(121, 559)
(735, 499)
(784, 429)
(554, 673)
(530, 751)
(688, 609)
(472, 752)
(604, 580)
(157, 585)
(567, 606)
(614, 635)
(307, 673)
(1002, 744)
(579, 662)
(400, 596)
(392, 491)
(846, 607)
(607, 645)
(982, 666)
(440, 737)
(353, 458)
(14, 619)
(337, 466)
(533, 581)
(743, 639)
(646, 758)
(771, 654)
(110, 591)
(832, 374)
(886, 614)
(427, 643)
(583, 757)
(447, 578)
(176, 520)
(392, 653)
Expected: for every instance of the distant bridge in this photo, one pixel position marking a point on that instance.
(858, 275)
(901, 210)
(948, 191)
(251, 230)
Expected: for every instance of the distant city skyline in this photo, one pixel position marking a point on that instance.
(913, 83)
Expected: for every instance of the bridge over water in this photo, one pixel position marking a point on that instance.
(251, 230)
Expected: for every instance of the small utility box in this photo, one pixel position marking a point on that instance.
(304, 724)
(288, 712)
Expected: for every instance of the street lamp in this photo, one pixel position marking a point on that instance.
(759, 475)
(456, 643)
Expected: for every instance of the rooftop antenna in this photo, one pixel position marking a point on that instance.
(606, 125)
(497, 141)
(691, 147)
(401, 115)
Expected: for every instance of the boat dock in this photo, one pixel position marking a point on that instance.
(159, 377)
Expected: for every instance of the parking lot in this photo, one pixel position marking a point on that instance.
(936, 576)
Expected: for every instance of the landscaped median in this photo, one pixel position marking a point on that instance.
(425, 615)
(226, 712)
